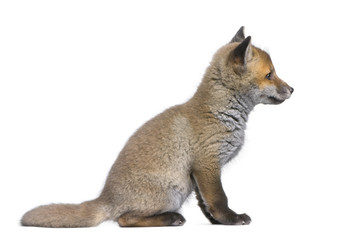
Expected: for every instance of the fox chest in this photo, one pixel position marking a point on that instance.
(234, 125)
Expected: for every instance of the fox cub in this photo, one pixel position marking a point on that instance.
(181, 150)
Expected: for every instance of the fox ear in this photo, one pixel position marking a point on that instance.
(239, 37)
(242, 53)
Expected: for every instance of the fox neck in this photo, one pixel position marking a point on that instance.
(243, 104)
(218, 97)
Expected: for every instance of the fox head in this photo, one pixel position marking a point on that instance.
(249, 70)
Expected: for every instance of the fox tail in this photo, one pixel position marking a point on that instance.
(86, 214)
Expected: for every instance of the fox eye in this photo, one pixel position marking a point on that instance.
(268, 76)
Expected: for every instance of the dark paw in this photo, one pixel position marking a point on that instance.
(177, 220)
(242, 219)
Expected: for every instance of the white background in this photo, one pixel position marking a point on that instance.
(77, 78)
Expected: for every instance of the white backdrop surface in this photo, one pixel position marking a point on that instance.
(77, 78)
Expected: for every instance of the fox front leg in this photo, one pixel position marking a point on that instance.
(212, 198)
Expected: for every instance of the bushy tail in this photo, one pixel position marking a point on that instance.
(86, 214)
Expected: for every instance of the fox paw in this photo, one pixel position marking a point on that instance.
(177, 220)
(242, 219)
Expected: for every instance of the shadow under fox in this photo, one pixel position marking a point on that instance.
(181, 150)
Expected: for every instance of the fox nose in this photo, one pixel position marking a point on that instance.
(291, 90)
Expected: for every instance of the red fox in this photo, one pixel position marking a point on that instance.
(181, 150)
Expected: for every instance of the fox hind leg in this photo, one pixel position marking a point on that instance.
(132, 219)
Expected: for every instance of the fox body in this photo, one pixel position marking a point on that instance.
(181, 150)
